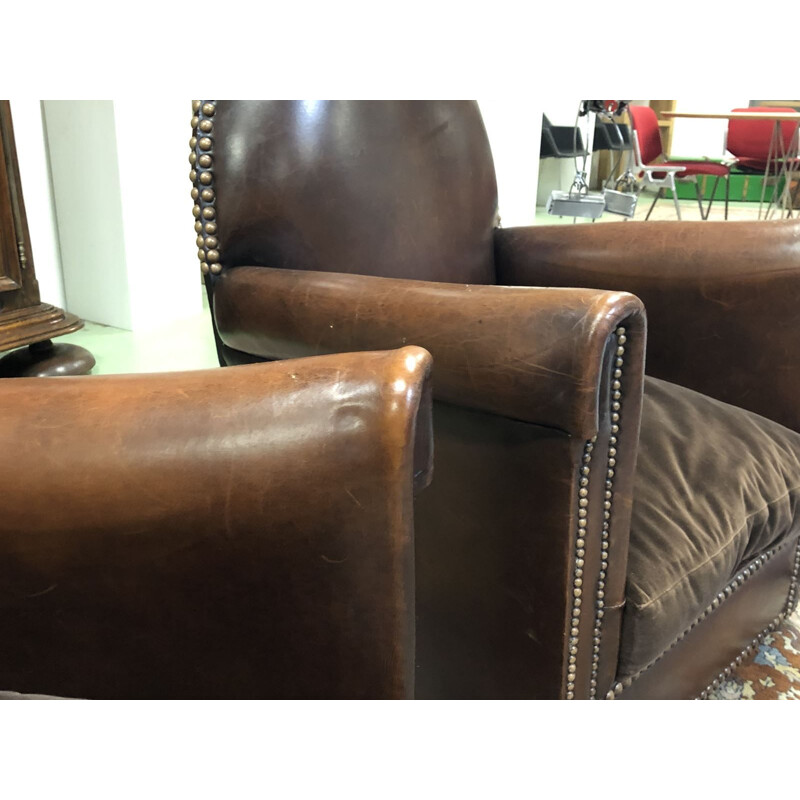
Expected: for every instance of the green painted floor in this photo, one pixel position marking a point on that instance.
(184, 345)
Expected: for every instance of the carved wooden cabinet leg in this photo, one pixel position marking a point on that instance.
(45, 359)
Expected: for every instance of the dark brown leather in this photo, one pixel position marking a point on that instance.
(721, 298)
(505, 499)
(705, 505)
(524, 379)
(526, 354)
(228, 533)
(713, 643)
(402, 189)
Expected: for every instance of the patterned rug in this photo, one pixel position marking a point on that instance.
(772, 672)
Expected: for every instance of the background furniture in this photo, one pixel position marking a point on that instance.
(660, 170)
(242, 533)
(609, 137)
(24, 319)
(561, 141)
(333, 226)
(781, 154)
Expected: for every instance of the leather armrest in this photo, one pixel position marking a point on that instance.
(721, 297)
(225, 533)
(533, 355)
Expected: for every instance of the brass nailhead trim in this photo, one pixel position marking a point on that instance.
(611, 463)
(577, 580)
(738, 580)
(202, 155)
(791, 604)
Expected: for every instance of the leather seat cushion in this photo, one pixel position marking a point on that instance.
(716, 486)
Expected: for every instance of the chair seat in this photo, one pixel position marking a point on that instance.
(716, 487)
(758, 165)
(693, 168)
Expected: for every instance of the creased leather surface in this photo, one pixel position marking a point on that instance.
(227, 533)
(715, 487)
(721, 298)
(529, 354)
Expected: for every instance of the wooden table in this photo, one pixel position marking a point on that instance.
(777, 152)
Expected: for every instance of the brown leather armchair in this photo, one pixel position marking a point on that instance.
(561, 552)
(243, 533)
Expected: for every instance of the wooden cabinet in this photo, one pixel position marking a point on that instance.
(25, 321)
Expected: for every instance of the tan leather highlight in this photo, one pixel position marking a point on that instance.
(238, 533)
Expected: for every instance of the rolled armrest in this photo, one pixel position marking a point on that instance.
(226, 533)
(533, 355)
(721, 297)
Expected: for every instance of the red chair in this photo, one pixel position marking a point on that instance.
(751, 140)
(758, 150)
(658, 169)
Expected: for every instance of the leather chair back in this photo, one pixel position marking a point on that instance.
(400, 189)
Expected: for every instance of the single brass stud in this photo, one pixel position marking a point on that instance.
(195, 193)
(209, 213)
(201, 254)
(207, 195)
(198, 226)
(204, 160)
(196, 105)
(206, 126)
(211, 242)
(210, 227)
(195, 121)
(213, 256)
(216, 269)
(204, 268)
(209, 109)
(193, 142)
(204, 143)
(192, 158)
(199, 241)
(193, 175)
(206, 178)
(196, 210)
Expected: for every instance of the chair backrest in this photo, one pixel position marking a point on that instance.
(645, 124)
(751, 138)
(402, 189)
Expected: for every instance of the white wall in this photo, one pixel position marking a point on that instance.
(34, 172)
(695, 138)
(163, 272)
(83, 160)
(514, 129)
(113, 235)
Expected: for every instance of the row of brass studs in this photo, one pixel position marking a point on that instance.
(202, 176)
(791, 602)
(616, 398)
(735, 583)
(577, 579)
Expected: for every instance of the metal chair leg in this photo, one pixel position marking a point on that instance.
(711, 199)
(699, 195)
(675, 196)
(727, 193)
(658, 197)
